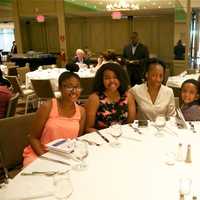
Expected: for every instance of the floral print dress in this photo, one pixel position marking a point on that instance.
(110, 113)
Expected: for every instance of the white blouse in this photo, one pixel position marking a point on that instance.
(164, 103)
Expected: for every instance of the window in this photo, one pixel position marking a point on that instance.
(6, 36)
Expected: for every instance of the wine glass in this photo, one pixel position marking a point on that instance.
(160, 124)
(63, 186)
(185, 186)
(116, 132)
(80, 152)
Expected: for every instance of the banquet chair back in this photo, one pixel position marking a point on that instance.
(27, 94)
(12, 71)
(177, 102)
(12, 105)
(15, 84)
(43, 88)
(86, 84)
(21, 72)
(8, 64)
(13, 139)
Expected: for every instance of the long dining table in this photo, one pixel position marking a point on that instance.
(143, 166)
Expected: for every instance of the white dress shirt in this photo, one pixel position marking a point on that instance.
(164, 103)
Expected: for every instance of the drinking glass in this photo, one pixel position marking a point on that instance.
(116, 132)
(185, 186)
(160, 124)
(63, 186)
(80, 153)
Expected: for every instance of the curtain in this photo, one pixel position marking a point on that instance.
(6, 36)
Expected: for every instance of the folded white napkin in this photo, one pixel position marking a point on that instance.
(29, 187)
(42, 165)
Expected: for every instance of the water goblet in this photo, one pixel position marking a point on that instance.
(160, 124)
(185, 186)
(116, 132)
(80, 153)
(63, 186)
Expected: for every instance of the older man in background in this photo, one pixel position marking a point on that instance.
(81, 59)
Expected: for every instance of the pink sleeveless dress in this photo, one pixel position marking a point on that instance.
(56, 127)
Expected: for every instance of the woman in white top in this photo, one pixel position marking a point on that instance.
(152, 97)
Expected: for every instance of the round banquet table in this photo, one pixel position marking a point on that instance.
(53, 75)
(143, 167)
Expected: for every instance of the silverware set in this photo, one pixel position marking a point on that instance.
(47, 173)
(137, 130)
(192, 127)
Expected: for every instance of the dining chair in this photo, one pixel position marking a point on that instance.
(26, 94)
(177, 102)
(21, 73)
(12, 71)
(43, 89)
(12, 105)
(13, 140)
(86, 84)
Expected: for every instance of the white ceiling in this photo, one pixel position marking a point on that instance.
(143, 4)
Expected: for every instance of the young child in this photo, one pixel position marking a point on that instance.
(190, 92)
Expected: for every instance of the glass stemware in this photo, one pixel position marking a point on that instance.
(80, 153)
(185, 186)
(63, 186)
(160, 124)
(116, 132)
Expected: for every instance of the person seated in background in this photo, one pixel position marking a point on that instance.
(72, 67)
(110, 102)
(57, 118)
(80, 59)
(152, 97)
(179, 51)
(190, 93)
(14, 48)
(5, 95)
(106, 57)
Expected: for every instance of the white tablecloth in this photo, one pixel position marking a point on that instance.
(138, 169)
(176, 81)
(53, 75)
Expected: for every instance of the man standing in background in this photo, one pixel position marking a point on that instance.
(136, 54)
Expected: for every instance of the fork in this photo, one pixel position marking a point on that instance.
(47, 173)
(90, 142)
(135, 129)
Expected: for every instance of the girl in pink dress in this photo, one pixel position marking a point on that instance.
(57, 118)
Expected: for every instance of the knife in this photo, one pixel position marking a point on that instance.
(102, 136)
(135, 129)
(55, 160)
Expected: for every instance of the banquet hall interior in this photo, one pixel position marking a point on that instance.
(40, 38)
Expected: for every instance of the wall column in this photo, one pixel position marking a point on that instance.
(61, 28)
(16, 18)
(188, 20)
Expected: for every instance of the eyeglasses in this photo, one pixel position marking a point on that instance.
(73, 89)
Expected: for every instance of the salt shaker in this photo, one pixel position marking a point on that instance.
(181, 196)
(188, 155)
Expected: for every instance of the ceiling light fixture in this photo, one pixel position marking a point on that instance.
(122, 5)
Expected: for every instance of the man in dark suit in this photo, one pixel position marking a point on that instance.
(136, 54)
